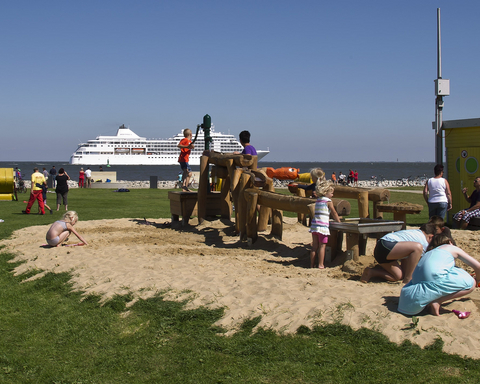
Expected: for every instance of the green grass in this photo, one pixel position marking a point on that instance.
(49, 334)
(91, 204)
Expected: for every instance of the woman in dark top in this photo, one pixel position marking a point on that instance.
(62, 188)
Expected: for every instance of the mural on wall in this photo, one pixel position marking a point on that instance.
(466, 170)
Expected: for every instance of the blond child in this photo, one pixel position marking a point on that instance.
(61, 229)
(320, 222)
(317, 175)
(186, 147)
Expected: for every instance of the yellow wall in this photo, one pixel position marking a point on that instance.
(463, 163)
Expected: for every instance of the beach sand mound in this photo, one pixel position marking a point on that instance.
(271, 279)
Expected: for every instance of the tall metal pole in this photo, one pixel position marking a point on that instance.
(439, 99)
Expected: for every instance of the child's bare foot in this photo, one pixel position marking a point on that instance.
(434, 309)
(321, 267)
(366, 275)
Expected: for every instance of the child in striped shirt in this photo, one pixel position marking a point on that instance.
(320, 223)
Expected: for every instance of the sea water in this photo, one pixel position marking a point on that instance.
(387, 170)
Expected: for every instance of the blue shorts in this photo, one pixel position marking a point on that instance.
(382, 249)
(185, 166)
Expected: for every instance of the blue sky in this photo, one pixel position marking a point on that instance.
(311, 80)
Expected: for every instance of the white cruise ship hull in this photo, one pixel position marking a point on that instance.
(127, 148)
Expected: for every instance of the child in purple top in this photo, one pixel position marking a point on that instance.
(248, 149)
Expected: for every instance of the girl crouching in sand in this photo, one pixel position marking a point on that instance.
(398, 253)
(320, 223)
(61, 229)
(436, 279)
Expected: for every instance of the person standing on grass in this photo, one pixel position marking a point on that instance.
(62, 188)
(44, 195)
(398, 253)
(81, 179)
(334, 178)
(437, 194)
(36, 192)
(463, 217)
(321, 222)
(53, 173)
(88, 175)
(186, 147)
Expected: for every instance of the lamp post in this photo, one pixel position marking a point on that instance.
(442, 88)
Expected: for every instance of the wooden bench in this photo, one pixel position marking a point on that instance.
(357, 230)
(400, 210)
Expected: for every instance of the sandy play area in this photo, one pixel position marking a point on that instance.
(271, 278)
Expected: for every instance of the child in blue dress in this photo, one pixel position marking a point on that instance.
(436, 279)
(320, 222)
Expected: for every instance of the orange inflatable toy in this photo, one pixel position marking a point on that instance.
(284, 173)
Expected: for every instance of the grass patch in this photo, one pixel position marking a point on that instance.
(51, 334)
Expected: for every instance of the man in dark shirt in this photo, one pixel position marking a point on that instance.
(463, 217)
(53, 173)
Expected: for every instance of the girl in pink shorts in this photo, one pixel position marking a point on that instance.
(320, 222)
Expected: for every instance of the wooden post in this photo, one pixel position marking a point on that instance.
(277, 223)
(225, 197)
(202, 189)
(241, 206)
(376, 213)
(265, 212)
(363, 204)
(251, 198)
(301, 218)
(352, 244)
(221, 172)
(332, 243)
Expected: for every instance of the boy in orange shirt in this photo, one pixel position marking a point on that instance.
(186, 147)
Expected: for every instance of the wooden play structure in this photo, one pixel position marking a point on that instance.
(362, 195)
(205, 203)
(245, 186)
(7, 184)
(250, 191)
(341, 206)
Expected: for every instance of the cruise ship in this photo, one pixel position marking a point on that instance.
(127, 148)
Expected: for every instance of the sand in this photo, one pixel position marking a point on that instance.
(208, 264)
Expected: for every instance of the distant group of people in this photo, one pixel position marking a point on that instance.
(438, 197)
(39, 187)
(351, 179)
(85, 178)
(38, 190)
